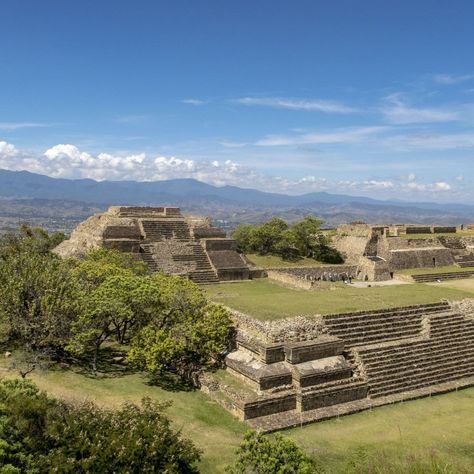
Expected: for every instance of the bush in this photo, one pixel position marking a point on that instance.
(262, 454)
(39, 434)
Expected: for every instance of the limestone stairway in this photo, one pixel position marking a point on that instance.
(147, 256)
(166, 228)
(446, 355)
(432, 277)
(465, 261)
(204, 273)
(368, 327)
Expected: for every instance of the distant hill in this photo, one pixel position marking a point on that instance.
(26, 195)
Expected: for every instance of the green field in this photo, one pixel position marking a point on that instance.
(273, 261)
(387, 437)
(266, 300)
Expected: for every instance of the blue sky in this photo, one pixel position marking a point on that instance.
(367, 98)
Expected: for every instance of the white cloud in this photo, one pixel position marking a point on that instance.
(449, 79)
(375, 184)
(298, 104)
(9, 126)
(437, 186)
(194, 101)
(397, 111)
(431, 141)
(68, 161)
(340, 135)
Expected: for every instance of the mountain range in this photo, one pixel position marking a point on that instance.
(25, 195)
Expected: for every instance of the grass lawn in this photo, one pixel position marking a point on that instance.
(266, 300)
(423, 271)
(465, 284)
(443, 425)
(272, 261)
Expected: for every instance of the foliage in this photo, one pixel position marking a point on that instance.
(38, 295)
(122, 302)
(31, 239)
(185, 334)
(276, 237)
(39, 434)
(262, 454)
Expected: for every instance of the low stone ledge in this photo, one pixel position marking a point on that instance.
(298, 352)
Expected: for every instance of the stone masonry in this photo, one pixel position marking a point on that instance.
(338, 364)
(164, 239)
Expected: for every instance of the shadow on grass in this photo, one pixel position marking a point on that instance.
(170, 382)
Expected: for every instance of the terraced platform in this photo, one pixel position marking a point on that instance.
(432, 277)
(360, 360)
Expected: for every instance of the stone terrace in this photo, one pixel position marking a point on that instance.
(351, 362)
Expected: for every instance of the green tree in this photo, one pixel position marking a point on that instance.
(186, 334)
(38, 298)
(308, 233)
(40, 434)
(287, 246)
(263, 454)
(268, 235)
(244, 234)
(117, 305)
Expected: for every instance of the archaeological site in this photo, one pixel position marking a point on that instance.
(285, 371)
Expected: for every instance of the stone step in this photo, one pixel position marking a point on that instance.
(429, 361)
(407, 350)
(417, 309)
(388, 335)
(422, 382)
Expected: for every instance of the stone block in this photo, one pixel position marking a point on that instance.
(298, 352)
(321, 371)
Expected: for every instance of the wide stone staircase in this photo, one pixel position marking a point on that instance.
(465, 261)
(359, 361)
(432, 277)
(367, 327)
(446, 354)
(181, 251)
(160, 229)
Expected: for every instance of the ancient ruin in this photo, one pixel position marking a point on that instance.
(164, 239)
(296, 371)
(293, 371)
(379, 251)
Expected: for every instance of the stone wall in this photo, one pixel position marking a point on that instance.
(351, 247)
(421, 258)
(299, 328)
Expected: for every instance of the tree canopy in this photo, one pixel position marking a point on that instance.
(276, 237)
(263, 454)
(41, 434)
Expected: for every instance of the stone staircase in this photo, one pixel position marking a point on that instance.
(201, 270)
(166, 228)
(432, 277)
(446, 354)
(365, 359)
(367, 327)
(465, 261)
(204, 273)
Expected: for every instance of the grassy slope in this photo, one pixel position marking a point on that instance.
(213, 429)
(266, 300)
(443, 425)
